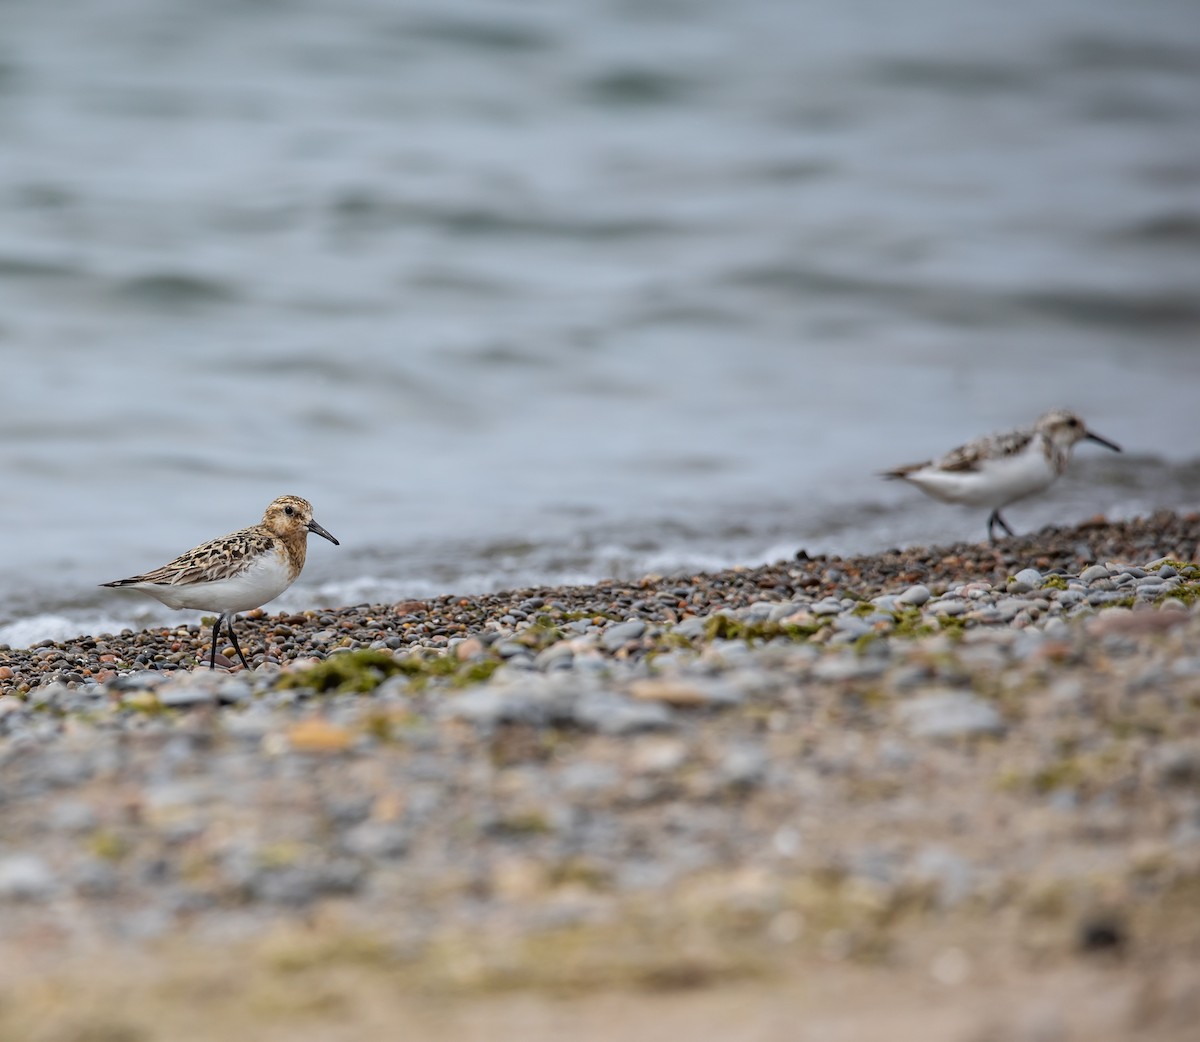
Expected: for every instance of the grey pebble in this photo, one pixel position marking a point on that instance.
(951, 606)
(914, 595)
(71, 816)
(1096, 571)
(1178, 763)
(560, 653)
(847, 666)
(588, 777)
(614, 714)
(181, 696)
(760, 610)
(850, 626)
(949, 873)
(692, 627)
(743, 766)
(96, 878)
(298, 885)
(617, 636)
(1010, 607)
(950, 715)
(376, 839)
(1025, 580)
(24, 877)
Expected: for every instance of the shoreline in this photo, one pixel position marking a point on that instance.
(959, 773)
(1163, 534)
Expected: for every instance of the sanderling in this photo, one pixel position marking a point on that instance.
(1000, 469)
(237, 572)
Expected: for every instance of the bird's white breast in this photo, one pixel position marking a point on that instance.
(262, 580)
(996, 483)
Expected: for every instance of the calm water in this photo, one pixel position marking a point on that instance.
(519, 291)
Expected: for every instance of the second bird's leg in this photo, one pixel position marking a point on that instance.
(996, 519)
(212, 658)
(233, 637)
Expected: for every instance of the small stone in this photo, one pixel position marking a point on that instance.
(914, 596)
(952, 606)
(945, 870)
(612, 714)
(617, 636)
(234, 692)
(849, 633)
(1178, 763)
(1103, 933)
(1125, 623)
(71, 816)
(318, 736)
(684, 693)
(845, 666)
(692, 627)
(1096, 571)
(24, 877)
(183, 696)
(589, 778)
(744, 766)
(1011, 607)
(376, 839)
(658, 755)
(488, 706)
(469, 649)
(562, 649)
(950, 715)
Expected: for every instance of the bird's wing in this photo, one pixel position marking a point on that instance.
(217, 559)
(970, 456)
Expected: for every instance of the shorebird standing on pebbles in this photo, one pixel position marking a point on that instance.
(236, 572)
(1000, 469)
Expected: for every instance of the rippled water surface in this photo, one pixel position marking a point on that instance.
(519, 291)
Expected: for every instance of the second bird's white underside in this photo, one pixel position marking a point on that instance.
(262, 580)
(995, 484)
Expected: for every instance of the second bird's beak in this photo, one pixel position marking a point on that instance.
(314, 527)
(1089, 437)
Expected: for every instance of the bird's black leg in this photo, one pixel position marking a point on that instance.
(236, 646)
(993, 520)
(212, 659)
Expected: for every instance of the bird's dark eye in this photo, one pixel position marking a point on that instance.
(1072, 422)
(289, 510)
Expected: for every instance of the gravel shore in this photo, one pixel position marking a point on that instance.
(966, 779)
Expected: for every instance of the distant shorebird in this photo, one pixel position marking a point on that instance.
(1002, 468)
(236, 572)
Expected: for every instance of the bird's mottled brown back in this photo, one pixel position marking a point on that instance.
(217, 559)
(968, 457)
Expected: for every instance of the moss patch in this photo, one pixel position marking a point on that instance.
(359, 672)
(351, 672)
(725, 627)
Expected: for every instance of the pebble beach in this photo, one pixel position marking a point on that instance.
(959, 784)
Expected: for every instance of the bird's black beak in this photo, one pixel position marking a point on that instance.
(1095, 437)
(314, 527)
